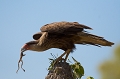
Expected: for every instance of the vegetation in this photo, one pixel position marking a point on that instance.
(110, 69)
(65, 70)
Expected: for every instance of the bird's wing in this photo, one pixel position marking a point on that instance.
(85, 38)
(59, 28)
(36, 36)
(41, 37)
(64, 27)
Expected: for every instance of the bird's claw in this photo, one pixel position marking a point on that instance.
(59, 60)
(23, 54)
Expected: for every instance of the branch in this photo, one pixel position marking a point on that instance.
(64, 70)
(60, 70)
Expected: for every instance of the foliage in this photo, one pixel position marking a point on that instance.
(90, 78)
(110, 69)
(77, 69)
(52, 60)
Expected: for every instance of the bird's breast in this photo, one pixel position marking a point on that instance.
(63, 43)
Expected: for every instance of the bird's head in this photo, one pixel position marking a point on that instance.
(24, 48)
(32, 45)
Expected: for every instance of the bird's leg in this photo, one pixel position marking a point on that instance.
(60, 57)
(67, 53)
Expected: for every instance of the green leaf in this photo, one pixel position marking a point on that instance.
(78, 70)
(90, 78)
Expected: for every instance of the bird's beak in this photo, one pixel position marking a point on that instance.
(23, 49)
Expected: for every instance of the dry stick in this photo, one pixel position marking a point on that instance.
(20, 60)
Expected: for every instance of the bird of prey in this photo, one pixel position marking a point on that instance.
(63, 35)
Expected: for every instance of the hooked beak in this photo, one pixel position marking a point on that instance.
(23, 50)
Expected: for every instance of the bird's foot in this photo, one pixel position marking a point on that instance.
(59, 59)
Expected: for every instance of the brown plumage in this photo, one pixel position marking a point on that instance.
(63, 35)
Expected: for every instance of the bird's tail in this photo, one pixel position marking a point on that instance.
(86, 38)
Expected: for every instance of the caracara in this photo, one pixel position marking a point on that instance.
(63, 35)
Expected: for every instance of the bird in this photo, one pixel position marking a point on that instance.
(63, 35)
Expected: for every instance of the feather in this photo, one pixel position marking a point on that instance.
(64, 27)
(92, 40)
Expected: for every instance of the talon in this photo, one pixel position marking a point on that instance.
(23, 54)
(57, 60)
